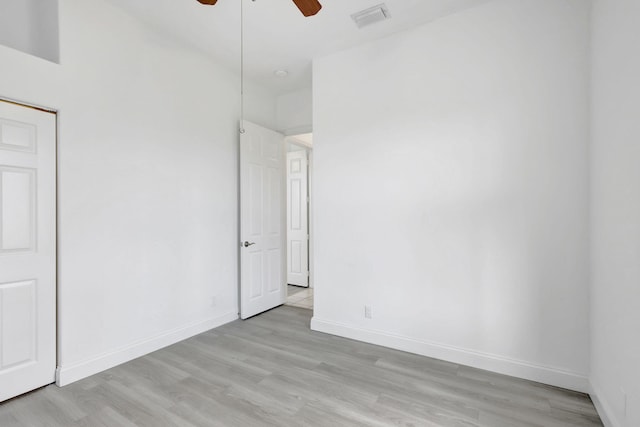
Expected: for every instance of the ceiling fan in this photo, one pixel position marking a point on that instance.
(307, 7)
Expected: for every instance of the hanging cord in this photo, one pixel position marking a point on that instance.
(241, 66)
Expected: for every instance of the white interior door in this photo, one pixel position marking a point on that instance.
(262, 267)
(297, 219)
(27, 249)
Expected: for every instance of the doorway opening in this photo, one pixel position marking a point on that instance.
(299, 156)
(266, 256)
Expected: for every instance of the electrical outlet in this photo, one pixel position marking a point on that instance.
(214, 301)
(367, 312)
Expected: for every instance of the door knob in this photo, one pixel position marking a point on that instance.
(247, 244)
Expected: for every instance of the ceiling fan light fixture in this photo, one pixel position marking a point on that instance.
(371, 15)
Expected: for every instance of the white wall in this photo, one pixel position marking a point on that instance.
(30, 26)
(615, 207)
(294, 112)
(147, 184)
(451, 191)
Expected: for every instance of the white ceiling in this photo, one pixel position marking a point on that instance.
(277, 36)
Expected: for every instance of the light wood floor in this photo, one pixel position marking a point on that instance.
(273, 371)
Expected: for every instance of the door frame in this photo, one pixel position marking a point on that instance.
(56, 280)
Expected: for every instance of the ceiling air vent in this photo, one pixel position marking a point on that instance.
(371, 16)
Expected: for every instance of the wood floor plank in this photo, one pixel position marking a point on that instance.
(272, 370)
(8, 420)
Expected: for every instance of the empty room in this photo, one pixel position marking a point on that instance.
(319, 213)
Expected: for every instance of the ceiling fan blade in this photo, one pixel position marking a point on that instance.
(209, 2)
(308, 7)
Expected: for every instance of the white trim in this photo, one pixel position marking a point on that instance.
(72, 372)
(602, 406)
(292, 139)
(312, 233)
(490, 362)
(29, 105)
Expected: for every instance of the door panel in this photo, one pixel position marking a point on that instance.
(275, 271)
(17, 136)
(18, 332)
(17, 225)
(297, 219)
(262, 284)
(27, 249)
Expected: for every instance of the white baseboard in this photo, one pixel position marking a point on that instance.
(67, 374)
(490, 362)
(602, 406)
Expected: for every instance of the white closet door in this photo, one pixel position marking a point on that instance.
(297, 219)
(27, 249)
